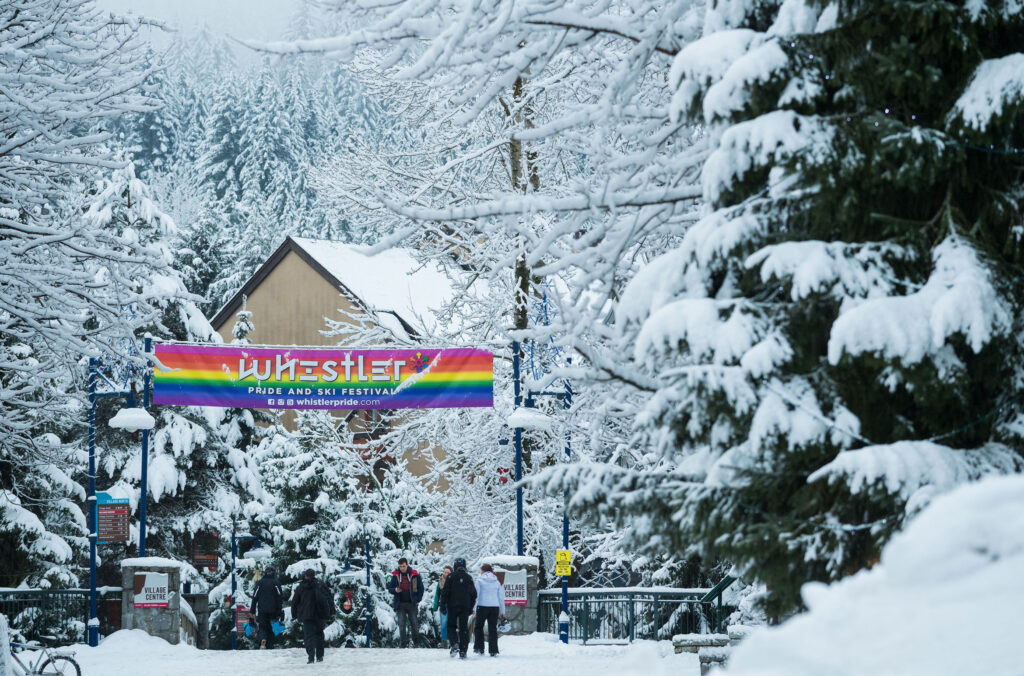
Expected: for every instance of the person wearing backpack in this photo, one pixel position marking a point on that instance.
(458, 596)
(407, 592)
(267, 604)
(313, 606)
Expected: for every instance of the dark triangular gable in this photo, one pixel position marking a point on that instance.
(235, 303)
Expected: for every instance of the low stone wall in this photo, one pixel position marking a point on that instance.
(162, 622)
(691, 643)
(713, 650)
(522, 618)
(200, 605)
(713, 658)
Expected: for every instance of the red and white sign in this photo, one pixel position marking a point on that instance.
(150, 590)
(514, 582)
(241, 617)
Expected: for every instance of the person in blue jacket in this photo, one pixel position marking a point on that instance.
(490, 604)
(407, 590)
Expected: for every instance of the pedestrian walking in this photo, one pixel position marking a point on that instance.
(458, 597)
(437, 600)
(267, 603)
(407, 590)
(313, 606)
(490, 604)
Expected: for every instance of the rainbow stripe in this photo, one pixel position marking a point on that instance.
(327, 378)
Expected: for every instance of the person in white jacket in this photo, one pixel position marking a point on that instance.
(490, 604)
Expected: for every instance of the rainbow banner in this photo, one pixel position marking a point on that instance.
(327, 378)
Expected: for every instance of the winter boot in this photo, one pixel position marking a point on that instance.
(462, 654)
(453, 651)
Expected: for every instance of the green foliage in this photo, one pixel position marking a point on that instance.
(869, 177)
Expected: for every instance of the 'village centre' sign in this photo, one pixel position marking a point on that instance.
(150, 590)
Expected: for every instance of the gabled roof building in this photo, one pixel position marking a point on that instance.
(306, 282)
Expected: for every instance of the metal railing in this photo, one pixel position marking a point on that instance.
(59, 612)
(633, 613)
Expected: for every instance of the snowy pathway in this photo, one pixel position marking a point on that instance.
(135, 653)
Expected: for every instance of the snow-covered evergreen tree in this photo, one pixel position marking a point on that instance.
(200, 472)
(334, 495)
(825, 344)
(834, 333)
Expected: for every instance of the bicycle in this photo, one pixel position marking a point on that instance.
(50, 661)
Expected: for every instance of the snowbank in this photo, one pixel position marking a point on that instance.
(945, 599)
(5, 646)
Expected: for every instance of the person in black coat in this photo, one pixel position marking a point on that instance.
(457, 600)
(267, 603)
(313, 606)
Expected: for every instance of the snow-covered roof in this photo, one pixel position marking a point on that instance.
(390, 281)
(392, 284)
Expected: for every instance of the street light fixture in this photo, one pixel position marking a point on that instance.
(132, 420)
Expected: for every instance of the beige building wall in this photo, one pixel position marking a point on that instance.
(289, 308)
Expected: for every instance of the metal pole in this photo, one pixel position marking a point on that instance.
(369, 595)
(94, 623)
(144, 480)
(566, 404)
(519, 450)
(234, 601)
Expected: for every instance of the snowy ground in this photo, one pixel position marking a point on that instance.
(143, 655)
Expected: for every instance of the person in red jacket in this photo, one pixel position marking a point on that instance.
(407, 590)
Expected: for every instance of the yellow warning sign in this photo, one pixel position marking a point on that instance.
(563, 569)
(563, 556)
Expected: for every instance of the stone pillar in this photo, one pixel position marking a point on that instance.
(162, 622)
(201, 607)
(522, 618)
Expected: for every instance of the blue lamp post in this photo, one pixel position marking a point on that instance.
(566, 397)
(130, 423)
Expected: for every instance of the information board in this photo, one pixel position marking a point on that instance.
(241, 617)
(112, 519)
(205, 545)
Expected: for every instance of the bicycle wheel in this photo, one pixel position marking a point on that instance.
(60, 665)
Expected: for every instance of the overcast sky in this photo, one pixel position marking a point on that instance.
(259, 19)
